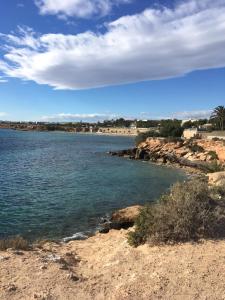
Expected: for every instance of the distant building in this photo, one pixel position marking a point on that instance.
(207, 127)
(133, 125)
(121, 130)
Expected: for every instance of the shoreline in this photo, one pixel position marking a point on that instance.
(106, 267)
(71, 132)
(198, 157)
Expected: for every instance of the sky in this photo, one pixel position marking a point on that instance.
(92, 60)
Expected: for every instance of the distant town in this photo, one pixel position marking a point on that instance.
(118, 126)
(214, 126)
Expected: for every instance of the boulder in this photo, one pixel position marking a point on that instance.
(125, 218)
(217, 178)
(121, 219)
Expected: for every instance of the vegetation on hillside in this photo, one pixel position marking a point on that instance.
(197, 123)
(168, 129)
(218, 117)
(188, 212)
(16, 243)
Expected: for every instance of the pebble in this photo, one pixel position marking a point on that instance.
(72, 277)
(4, 257)
(63, 267)
(11, 288)
(53, 257)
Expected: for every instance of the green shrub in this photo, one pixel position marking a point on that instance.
(213, 155)
(189, 212)
(17, 243)
(214, 166)
(196, 148)
(171, 128)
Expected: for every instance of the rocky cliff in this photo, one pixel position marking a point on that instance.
(198, 154)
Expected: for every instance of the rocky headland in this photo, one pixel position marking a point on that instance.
(196, 155)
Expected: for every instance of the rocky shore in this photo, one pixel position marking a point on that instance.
(121, 219)
(196, 155)
(106, 267)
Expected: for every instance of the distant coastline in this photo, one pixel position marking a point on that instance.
(74, 132)
(74, 128)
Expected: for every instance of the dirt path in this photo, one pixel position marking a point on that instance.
(106, 267)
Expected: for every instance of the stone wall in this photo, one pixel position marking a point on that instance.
(213, 134)
(122, 130)
(190, 133)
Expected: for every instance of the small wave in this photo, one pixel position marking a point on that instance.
(105, 219)
(76, 236)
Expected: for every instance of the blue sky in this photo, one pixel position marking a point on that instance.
(88, 60)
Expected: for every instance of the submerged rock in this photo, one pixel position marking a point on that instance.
(131, 153)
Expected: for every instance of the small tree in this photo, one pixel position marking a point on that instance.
(218, 116)
(171, 128)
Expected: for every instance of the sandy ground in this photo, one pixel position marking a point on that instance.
(106, 267)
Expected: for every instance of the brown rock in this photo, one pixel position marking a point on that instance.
(217, 178)
(126, 217)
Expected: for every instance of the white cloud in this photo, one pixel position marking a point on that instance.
(76, 8)
(3, 80)
(94, 117)
(197, 114)
(70, 117)
(3, 114)
(156, 44)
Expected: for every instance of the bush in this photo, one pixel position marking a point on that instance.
(213, 155)
(17, 243)
(196, 148)
(190, 211)
(171, 128)
(214, 166)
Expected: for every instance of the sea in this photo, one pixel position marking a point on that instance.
(56, 185)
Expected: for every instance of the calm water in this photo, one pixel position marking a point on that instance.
(56, 184)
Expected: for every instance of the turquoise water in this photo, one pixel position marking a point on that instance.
(56, 184)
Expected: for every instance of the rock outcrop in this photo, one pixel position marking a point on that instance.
(126, 216)
(196, 154)
(121, 219)
(217, 178)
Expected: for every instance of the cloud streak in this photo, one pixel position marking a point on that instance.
(77, 8)
(154, 45)
(197, 114)
(71, 117)
(3, 80)
(3, 114)
(95, 117)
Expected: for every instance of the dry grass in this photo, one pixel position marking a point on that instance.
(17, 243)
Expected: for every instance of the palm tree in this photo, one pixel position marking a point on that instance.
(218, 115)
